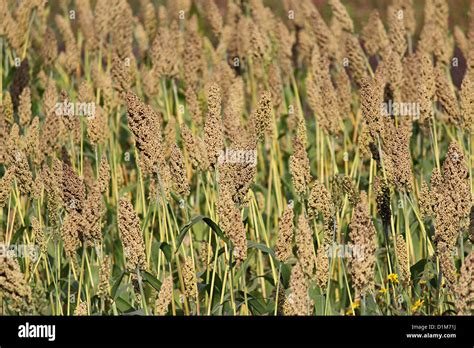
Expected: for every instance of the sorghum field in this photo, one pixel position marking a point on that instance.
(236, 158)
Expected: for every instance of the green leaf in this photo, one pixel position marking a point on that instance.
(371, 307)
(117, 284)
(285, 274)
(319, 303)
(269, 278)
(203, 287)
(136, 312)
(265, 249)
(214, 227)
(166, 248)
(123, 306)
(151, 279)
(17, 235)
(256, 307)
(417, 269)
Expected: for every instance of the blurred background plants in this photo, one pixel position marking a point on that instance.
(131, 208)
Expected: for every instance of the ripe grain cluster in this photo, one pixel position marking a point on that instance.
(235, 158)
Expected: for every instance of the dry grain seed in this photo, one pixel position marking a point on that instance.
(262, 115)
(231, 223)
(320, 201)
(104, 174)
(322, 267)
(213, 128)
(467, 103)
(130, 233)
(304, 246)
(446, 96)
(81, 309)
(374, 36)
(397, 34)
(341, 15)
(300, 168)
(464, 288)
(403, 262)
(190, 279)
(298, 301)
(165, 296)
(5, 186)
(70, 230)
(104, 278)
(94, 208)
(284, 244)
(14, 286)
(363, 235)
(178, 171)
(24, 109)
(357, 60)
(40, 236)
(121, 74)
(303, 89)
(143, 122)
(49, 50)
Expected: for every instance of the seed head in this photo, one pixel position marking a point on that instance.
(24, 109)
(231, 223)
(320, 201)
(262, 116)
(446, 96)
(190, 279)
(196, 149)
(178, 171)
(5, 185)
(104, 174)
(467, 103)
(298, 301)
(304, 246)
(70, 230)
(357, 60)
(13, 285)
(165, 296)
(363, 235)
(103, 287)
(300, 168)
(374, 36)
(403, 261)
(285, 234)
(322, 267)
(341, 15)
(213, 128)
(464, 288)
(120, 75)
(130, 233)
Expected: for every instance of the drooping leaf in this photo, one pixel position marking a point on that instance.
(265, 249)
(150, 279)
(214, 227)
(117, 284)
(123, 306)
(166, 248)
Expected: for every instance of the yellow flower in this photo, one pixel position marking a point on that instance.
(354, 306)
(393, 277)
(383, 290)
(417, 305)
